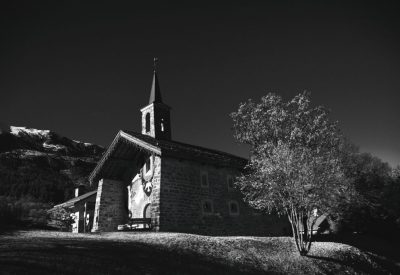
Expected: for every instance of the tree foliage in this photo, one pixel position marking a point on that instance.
(25, 211)
(61, 218)
(377, 209)
(295, 160)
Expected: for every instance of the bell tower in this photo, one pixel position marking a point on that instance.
(156, 121)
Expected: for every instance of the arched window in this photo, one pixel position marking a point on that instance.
(162, 125)
(147, 122)
(233, 208)
(204, 179)
(147, 165)
(146, 211)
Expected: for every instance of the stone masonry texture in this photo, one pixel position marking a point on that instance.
(182, 195)
(176, 201)
(110, 208)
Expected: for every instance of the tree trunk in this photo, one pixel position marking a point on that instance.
(302, 230)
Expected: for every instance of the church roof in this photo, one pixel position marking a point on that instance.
(193, 152)
(155, 93)
(128, 144)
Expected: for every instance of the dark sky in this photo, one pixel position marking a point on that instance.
(85, 70)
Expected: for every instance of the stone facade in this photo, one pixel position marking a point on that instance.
(156, 121)
(183, 196)
(144, 193)
(177, 199)
(110, 208)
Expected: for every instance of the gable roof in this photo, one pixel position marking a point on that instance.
(191, 152)
(75, 200)
(127, 143)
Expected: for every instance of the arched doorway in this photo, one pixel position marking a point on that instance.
(146, 211)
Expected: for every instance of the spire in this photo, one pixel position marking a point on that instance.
(155, 93)
(156, 120)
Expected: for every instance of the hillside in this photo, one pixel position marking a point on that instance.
(42, 165)
(43, 252)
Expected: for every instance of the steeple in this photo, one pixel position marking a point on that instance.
(155, 93)
(156, 116)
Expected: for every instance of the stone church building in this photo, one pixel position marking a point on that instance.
(180, 187)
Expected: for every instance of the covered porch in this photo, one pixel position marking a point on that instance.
(127, 179)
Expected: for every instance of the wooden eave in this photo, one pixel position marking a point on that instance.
(195, 153)
(77, 200)
(121, 154)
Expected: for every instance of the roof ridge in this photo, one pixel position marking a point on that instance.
(186, 144)
(205, 148)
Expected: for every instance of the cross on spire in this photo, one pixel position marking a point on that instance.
(156, 120)
(155, 61)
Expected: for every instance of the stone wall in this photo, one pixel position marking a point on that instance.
(149, 109)
(182, 196)
(110, 208)
(176, 202)
(159, 114)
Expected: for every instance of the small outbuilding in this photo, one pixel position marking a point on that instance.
(81, 208)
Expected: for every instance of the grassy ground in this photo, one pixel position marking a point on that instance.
(47, 252)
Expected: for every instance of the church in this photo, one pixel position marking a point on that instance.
(176, 187)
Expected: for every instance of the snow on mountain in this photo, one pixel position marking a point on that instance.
(84, 143)
(18, 131)
(53, 146)
(45, 141)
(30, 131)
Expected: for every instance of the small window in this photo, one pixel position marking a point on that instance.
(233, 208)
(147, 122)
(207, 207)
(148, 165)
(229, 180)
(162, 125)
(204, 179)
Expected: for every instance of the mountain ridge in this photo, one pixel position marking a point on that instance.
(43, 165)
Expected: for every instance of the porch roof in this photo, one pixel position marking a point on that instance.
(73, 201)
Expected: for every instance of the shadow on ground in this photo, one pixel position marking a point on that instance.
(382, 251)
(45, 252)
(105, 257)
